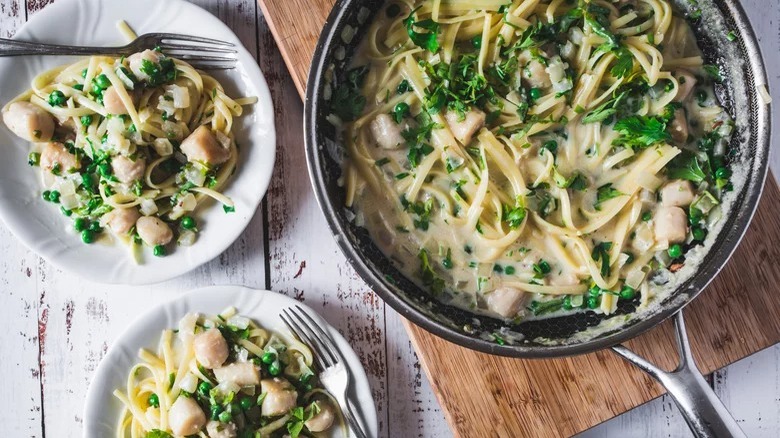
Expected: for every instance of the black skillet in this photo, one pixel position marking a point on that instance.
(744, 73)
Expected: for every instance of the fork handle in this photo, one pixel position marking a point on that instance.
(353, 422)
(18, 48)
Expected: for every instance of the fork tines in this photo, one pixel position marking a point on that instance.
(202, 52)
(304, 327)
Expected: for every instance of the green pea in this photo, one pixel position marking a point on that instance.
(274, 369)
(215, 411)
(593, 302)
(509, 270)
(86, 120)
(675, 251)
(646, 216)
(96, 90)
(204, 388)
(246, 403)
(627, 292)
(694, 216)
(95, 227)
(65, 211)
(45, 195)
(594, 291)
(80, 224)
(225, 417)
(102, 81)
(56, 98)
(476, 42)
(188, 223)
(403, 87)
(54, 196)
(87, 236)
(567, 303)
(400, 111)
(722, 173)
(699, 233)
(535, 93)
(269, 358)
(153, 400)
(159, 251)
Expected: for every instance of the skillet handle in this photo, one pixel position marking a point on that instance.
(703, 411)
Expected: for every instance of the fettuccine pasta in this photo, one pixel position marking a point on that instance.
(522, 158)
(224, 376)
(131, 144)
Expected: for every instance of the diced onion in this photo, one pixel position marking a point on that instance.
(225, 388)
(635, 278)
(576, 35)
(187, 238)
(163, 147)
(173, 129)
(125, 79)
(69, 202)
(189, 383)
(67, 188)
(181, 95)
(166, 105)
(223, 139)
(187, 325)
(194, 174)
(147, 207)
(238, 322)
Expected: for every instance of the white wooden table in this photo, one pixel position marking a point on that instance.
(58, 326)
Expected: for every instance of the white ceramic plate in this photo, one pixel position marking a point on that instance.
(42, 227)
(102, 409)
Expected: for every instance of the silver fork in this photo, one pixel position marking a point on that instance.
(203, 53)
(334, 375)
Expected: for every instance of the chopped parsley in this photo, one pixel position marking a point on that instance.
(427, 40)
(601, 253)
(429, 277)
(348, 101)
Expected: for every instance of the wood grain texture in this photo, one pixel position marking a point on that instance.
(557, 398)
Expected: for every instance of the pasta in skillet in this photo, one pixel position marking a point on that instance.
(523, 158)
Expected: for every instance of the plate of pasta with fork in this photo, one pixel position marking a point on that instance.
(136, 166)
(221, 362)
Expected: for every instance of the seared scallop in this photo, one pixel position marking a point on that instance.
(29, 121)
(211, 349)
(153, 231)
(203, 147)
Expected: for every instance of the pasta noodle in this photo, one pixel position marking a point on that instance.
(518, 154)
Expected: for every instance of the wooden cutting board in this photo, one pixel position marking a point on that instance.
(485, 395)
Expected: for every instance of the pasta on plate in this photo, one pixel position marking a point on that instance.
(130, 144)
(223, 377)
(526, 158)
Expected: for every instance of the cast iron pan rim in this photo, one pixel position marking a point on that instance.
(315, 78)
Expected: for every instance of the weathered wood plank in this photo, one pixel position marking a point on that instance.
(81, 319)
(21, 341)
(413, 410)
(311, 268)
(21, 405)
